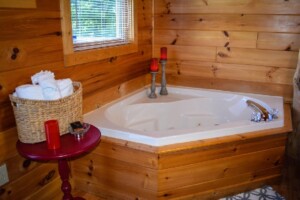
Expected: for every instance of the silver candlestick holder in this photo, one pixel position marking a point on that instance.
(163, 89)
(152, 94)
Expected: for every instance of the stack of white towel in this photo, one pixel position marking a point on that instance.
(45, 87)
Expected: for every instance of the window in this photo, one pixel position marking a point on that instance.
(98, 29)
(101, 23)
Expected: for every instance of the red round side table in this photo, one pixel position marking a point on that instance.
(69, 147)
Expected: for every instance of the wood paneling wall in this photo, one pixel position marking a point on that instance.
(35, 33)
(246, 45)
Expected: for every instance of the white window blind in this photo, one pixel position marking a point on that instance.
(101, 23)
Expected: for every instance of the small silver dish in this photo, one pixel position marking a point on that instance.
(79, 134)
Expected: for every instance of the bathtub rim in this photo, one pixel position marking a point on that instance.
(147, 87)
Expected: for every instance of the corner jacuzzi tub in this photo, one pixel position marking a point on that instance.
(184, 115)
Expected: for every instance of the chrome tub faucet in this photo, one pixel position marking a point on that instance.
(261, 113)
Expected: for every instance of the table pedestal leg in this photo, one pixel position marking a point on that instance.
(64, 172)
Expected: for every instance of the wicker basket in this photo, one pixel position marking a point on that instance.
(30, 115)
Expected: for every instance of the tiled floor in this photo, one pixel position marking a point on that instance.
(265, 192)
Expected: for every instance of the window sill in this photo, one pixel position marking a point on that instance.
(81, 57)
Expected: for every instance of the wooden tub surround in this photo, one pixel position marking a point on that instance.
(204, 169)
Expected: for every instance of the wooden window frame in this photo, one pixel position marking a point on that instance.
(72, 57)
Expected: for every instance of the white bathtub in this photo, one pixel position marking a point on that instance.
(186, 114)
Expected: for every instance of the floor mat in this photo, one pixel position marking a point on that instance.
(264, 193)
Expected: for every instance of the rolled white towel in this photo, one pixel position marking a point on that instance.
(50, 89)
(65, 86)
(27, 91)
(41, 76)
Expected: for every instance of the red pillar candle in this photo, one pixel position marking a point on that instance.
(154, 65)
(163, 53)
(52, 134)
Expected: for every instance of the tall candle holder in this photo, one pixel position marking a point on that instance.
(152, 94)
(163, 89)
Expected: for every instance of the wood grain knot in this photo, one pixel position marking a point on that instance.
(112, 59)
(168, 6)
(13, 56)
(226, 33)
(15, 53)
(47, 178)
(26, 163)
(254, 176)
(277, 163)
(178, 72)
(90, 168)
(288, 48)
(214, 70)
(16, 50)
(222, 55)
(174, 41)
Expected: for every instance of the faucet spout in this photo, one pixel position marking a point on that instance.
(261, 113)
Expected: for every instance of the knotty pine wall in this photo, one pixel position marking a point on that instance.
(238, 45)
(31, 41)
(245, 45)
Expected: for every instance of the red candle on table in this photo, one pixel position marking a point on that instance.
(163, 53)
(154, 65)
(52, 134)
